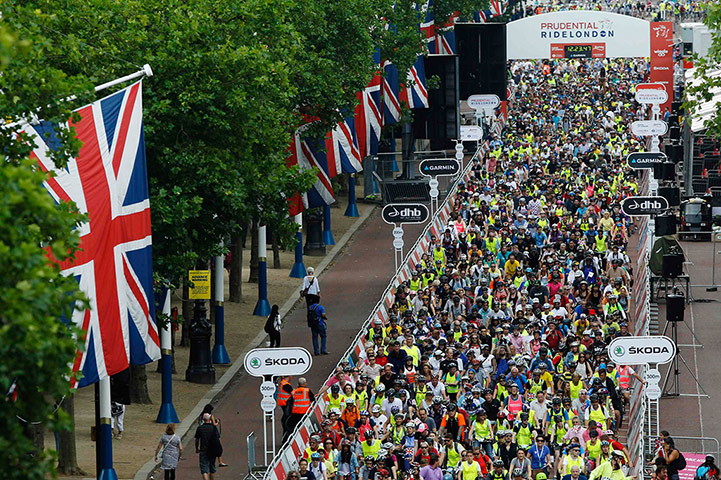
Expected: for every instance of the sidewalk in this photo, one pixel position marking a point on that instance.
(242, 332)
(351, 286)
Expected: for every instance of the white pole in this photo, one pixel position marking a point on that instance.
(262, 248)
(219, 278)
(146, 71)
(105, 414)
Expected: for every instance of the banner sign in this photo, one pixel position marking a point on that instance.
(662, 58)
(577, 34)
(649, 128)
(642, 350)
(433, 167)
(200, 279)
(479, 102)
(650, 93)
(640, 160)
(400, 213)
(470, 133)
(643, 206)
(277, 361)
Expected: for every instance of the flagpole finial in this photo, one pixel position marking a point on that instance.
(148, 71)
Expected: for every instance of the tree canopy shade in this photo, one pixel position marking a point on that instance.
(36, 348)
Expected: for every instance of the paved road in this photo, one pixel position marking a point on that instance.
(350, 287)
(694, 416)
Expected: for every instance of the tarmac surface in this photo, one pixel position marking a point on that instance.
(689, 415)
(350, 287)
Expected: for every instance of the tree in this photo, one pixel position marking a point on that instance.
(36, 347)
(706, 72)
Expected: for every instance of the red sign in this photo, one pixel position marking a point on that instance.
(693, 461)
(578, 50)
(662, 58)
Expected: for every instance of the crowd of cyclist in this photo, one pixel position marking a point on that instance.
(494, 362)
(668, 10)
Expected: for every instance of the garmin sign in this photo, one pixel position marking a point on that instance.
(609, 34)
(642, 350)
(439, 166)
(278, 361)
(641, 160)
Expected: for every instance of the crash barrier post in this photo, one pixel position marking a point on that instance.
(253, 469)
(287, 457)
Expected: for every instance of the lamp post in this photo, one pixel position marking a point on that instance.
(200, 368)
(104, 433)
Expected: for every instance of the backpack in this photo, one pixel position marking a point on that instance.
(313, 320)
(680, 462)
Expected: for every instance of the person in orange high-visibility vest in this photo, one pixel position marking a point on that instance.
(299, 404)
(285, 388)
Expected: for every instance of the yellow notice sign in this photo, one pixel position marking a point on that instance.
(200, 279)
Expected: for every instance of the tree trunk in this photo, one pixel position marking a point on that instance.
(236, 269)
(139, 385)
(67, 451)
(187, 311)
(276, 252)
(253, 278)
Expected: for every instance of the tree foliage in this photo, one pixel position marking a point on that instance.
(35, 346)
(707, 71)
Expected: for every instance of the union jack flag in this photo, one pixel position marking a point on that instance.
(342, 149)
(440, 39)
(368, 118)
(114, 266)
(307, 154)
(413, 92)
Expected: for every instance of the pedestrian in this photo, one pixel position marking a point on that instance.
(205, 437)
(317, 323)
(675, 460)
(311, 288)
(215, 421)
(285, 388)
(707, 470)
(299, 403)
(117, 414)
(272, 326)
(172, 449)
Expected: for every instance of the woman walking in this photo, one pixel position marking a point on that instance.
(272, 327)
(172, 449)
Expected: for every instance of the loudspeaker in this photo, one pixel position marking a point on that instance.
(672, 265)
(675, 305)
(674, 153)
(672, 194)
(481, 49)
(674, 132)
(664, 171)
(665, 225)
(439, 123)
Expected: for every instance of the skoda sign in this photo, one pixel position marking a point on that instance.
(277, 361)
(642, 350)
(439, 166)
(643, 206)
(640, 160)
(400, 213)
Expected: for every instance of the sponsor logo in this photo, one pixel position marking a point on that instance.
(619, 350)
(646, 350)
(661, 31)
(255, 362)
(284, 361)
(598, 29)
(661, 52)
(661, 68)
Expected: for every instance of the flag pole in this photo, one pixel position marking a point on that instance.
(327, 233)
(220, 354)
(298, 270)
(167, 412)
(262, 308)
(352, 208)
(146, 71)
(105, 433)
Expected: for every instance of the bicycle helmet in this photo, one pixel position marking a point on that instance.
(380, 388)
(498, 463)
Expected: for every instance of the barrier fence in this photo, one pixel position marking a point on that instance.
(287, 457)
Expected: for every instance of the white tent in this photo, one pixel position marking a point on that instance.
(705, 110)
